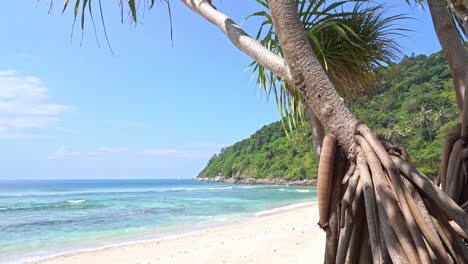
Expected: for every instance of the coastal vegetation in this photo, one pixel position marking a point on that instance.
(413, 106)
(268, 153)
(374, 204)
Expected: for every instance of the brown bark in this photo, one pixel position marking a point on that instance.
(318, 134)
(348, 196)
(371, 209)
(452, 46)
(333, 227)
(394, 178)
(396, 252)
(355, 242)
(325, 179)
(450, 140)
(452, 164)
(387, 196)
(365, 254)
(396, 206)
(457, 183)
(447, 205)
(424, 222)
(464, 122)
(353, 215)
(309, 76)
(460, 249)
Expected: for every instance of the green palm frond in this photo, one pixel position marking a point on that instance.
(82, 9)
(350, 43)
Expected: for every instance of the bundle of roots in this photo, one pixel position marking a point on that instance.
(378, 208)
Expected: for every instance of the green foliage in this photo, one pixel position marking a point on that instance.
(414, 108)
(268, 153)
(351, 40)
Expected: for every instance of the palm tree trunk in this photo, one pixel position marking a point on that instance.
(452, 47)
(309, 76)
(399, 216)
(325, 179)
(454, 165)
(399, 237)
(318, 134)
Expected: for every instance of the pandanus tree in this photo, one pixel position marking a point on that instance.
(451, 23)
(352, 42)
(374, 203)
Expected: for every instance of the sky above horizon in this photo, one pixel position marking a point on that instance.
(71, 111)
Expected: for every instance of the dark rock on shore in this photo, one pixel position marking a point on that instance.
(243, 180)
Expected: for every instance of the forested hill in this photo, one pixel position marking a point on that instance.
(414, 108)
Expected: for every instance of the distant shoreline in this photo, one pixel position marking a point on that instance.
(244, 180)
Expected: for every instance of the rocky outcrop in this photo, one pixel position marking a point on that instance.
(244, 180)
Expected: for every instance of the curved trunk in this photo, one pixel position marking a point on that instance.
(318, 134)
(309, 76)
(325, 179)
(454, 166)
(396, 225)
(452, 46)
(392, 209)
(240, 38)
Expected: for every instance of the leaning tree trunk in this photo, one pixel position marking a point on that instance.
(318, 134)
(382, 209)
(452, 46)
(453, 172)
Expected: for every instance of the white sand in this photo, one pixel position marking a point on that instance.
(286, 237)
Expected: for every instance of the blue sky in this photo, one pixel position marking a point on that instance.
(71, 111)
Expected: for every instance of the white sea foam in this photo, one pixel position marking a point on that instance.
(303, 191)
(76, 201)
(222, 188)
(196, 189)
(159, 236)
(3, 208)
(281, 189)
(284, 208)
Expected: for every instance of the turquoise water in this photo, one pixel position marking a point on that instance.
(45, 218)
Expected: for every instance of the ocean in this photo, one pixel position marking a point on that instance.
(44, 218)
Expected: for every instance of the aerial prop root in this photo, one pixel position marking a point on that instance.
(453, 172)
(387, 211)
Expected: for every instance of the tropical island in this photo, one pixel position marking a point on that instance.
(413, 106)
(383, 136)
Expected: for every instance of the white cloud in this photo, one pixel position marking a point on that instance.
(7, 73)
(204, 144)
(177, 153)
(187, 152)
(24, 103)
(112, 150)
(25, 122)
(17, 136)
(63, 152)
(25, 55)
(129, 123)
(65, 130)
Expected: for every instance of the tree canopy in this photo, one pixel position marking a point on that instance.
(414, 107)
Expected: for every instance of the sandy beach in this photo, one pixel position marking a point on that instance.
(290, 236)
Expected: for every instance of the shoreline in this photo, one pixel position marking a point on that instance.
(139, 245)
(254, 181)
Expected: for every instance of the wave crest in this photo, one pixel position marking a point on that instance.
(76, 201)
